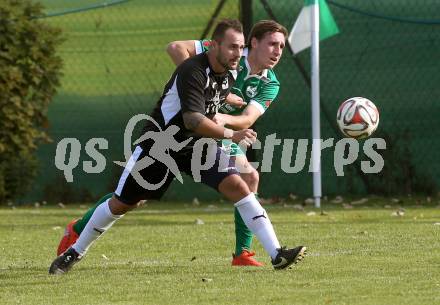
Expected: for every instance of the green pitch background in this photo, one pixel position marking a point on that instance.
(158, 255)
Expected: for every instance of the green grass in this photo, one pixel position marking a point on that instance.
(356, 256)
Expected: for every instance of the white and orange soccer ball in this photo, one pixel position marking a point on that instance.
(357, 117)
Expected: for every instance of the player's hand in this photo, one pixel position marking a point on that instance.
(245, 137)
(219, 119)
(235, 100)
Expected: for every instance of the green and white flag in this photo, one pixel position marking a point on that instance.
(300, 36)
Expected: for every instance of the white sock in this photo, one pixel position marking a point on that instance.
(101, 220)
(256, 219)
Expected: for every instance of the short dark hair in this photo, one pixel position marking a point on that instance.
(263, 27)
(224, 25)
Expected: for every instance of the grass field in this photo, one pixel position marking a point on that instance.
(158, 255)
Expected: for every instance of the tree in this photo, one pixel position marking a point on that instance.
(29, 75)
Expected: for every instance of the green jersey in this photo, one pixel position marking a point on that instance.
(257, 90)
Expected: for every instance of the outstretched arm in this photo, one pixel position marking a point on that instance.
(242, 121)
(181, 50)
(205, 127)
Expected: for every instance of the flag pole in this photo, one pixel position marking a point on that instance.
(316, 126)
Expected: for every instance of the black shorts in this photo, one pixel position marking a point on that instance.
(151, 180)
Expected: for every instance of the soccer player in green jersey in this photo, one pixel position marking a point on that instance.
(256, 87)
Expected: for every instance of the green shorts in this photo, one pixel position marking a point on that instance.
(231, 149)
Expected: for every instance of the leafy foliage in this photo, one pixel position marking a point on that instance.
(29, 75)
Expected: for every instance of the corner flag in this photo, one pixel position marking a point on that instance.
(300, 36)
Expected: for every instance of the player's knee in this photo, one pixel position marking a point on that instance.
(234, 187)
(117, 207)
(253, 177)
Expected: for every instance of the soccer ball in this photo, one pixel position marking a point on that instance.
(357, 117)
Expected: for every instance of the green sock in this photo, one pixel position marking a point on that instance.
(243, 236)
(79, 226)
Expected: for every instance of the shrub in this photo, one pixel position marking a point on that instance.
(29, 75)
